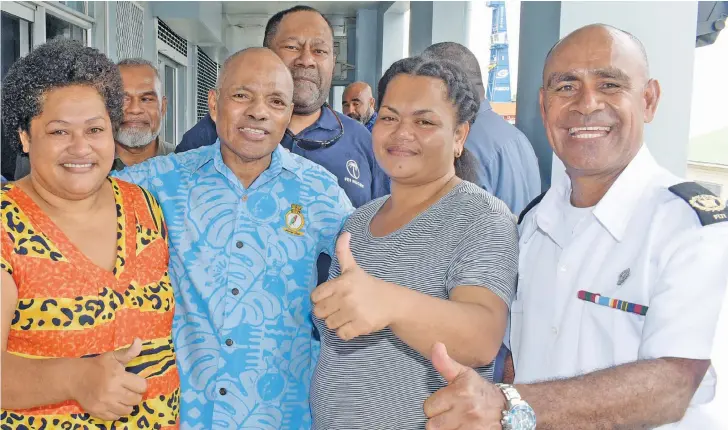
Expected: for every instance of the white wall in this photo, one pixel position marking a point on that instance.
(715, 174)
(450, 21)
(150, 33)
(667, 29)
(245, 32)
(710, 88)
(393, 27)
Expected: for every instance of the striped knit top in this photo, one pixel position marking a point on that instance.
(377, 381)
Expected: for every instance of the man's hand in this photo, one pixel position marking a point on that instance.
(355, 303)
(103, 387)
(468, 401)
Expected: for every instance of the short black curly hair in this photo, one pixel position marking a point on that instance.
(460, 90)
(56, 64)
(271, 27)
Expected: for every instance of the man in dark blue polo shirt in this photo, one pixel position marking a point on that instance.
(303, 39)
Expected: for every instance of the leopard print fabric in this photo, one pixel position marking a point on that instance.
(69, 307)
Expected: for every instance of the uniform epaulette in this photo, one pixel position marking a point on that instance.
(530, 206)
(708, 206)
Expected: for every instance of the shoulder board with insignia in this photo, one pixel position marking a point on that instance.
(710, 209)
(530, 206)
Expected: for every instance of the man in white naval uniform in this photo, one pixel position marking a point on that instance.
(623, 268)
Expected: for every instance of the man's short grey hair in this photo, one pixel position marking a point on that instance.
(141, 62)
(138, 62)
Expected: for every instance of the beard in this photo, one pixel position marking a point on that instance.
(308, 94)
(355, 116)
(134, 137)
(362, 118)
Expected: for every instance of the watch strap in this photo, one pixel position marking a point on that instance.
(511, 394)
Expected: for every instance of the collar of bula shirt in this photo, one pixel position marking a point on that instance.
(280, 159)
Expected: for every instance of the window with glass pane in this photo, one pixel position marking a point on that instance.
(56, 27)
(78, 6)
(11, 41)
(15, 44)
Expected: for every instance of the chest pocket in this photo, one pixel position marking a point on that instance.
(612, 323)
(290, 255)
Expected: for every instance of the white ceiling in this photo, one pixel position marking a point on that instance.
(346, 8)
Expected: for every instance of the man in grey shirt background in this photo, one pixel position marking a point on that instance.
(508, 167)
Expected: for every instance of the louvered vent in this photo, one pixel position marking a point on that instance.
(207, 71)
(166, 35)
(129, 30)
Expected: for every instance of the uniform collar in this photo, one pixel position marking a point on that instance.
(547, 214)
(613, 211)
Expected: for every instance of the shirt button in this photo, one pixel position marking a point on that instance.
(223, 391)
(245, 198)
(235, 291)
(562, 268)
(229, 342)
(239, 244)
(554, 330)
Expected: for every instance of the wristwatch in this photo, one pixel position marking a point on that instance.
(519, 415)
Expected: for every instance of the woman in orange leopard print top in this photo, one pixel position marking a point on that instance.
(87, 304)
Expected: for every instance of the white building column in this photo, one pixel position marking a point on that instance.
(391, 16)
(438, 21)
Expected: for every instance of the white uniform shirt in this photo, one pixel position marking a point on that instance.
(641, 244)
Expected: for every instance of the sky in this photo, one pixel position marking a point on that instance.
(709, 107)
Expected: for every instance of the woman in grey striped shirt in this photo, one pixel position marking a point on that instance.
(436, 261)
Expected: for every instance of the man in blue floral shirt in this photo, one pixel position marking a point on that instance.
(247, 220)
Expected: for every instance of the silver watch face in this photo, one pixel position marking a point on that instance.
(519, 417)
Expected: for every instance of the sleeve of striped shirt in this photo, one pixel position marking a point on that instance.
(487, 256)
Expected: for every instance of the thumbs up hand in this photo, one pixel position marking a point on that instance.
(103, 387)
(355, 303)
(347, 263)
(467, 402)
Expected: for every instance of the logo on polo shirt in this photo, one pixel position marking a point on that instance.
(294, 220)
(353, 169)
